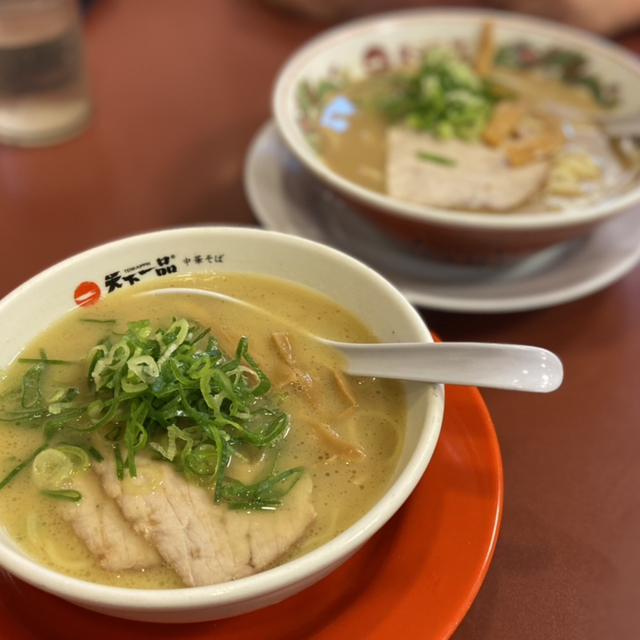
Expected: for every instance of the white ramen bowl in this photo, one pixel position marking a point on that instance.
(45, 298)
(361, 48)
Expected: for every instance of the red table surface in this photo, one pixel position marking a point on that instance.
(180, 89)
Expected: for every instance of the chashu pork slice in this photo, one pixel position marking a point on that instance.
(479, 177)
(205, 543)
(99, 523)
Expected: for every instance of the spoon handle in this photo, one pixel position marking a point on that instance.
(475, 364)
(501, 366)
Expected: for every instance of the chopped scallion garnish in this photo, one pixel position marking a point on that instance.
(174, 393)
(63, 494)
(17, 469)
(432, 157)
(31, 388)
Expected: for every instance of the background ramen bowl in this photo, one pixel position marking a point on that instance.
(365, 46)
(41, 301)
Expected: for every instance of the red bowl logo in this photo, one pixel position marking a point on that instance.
(86, 293)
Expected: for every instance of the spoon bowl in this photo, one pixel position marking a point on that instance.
(477, 364)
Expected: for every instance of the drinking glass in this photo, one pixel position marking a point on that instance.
(44, 97)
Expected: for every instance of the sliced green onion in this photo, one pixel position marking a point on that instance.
(169, 452)
(31, 385)
(132, 387)
(172, 392)
(14, 472)
(78, 456)
(432, 157)
(63, 494)
(119, 463)
(95, 454)
(51, 469)
(266, 494)
(145, 367)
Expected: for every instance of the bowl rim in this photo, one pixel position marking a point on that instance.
(286, 82)
(118, 600)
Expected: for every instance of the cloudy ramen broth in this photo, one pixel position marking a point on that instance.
(358, 140)
(346, 433)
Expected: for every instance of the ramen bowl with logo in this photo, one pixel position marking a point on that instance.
(152, 258)
(369, 46)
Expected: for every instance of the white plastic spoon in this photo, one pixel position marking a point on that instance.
(477, 364)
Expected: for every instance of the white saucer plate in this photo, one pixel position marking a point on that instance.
(285, 197)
